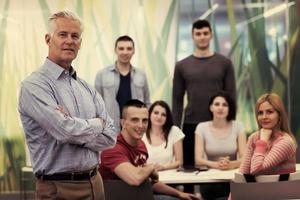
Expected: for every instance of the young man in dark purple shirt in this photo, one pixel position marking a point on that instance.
(200, 75)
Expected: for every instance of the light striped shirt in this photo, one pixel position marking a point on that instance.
(278, 157)
(57, 141)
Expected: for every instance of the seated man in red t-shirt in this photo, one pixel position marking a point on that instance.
(127, 160)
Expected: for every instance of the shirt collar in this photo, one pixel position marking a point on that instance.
(73, 73)
(114, 68)
(56, 71)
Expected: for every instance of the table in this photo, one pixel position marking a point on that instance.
(209, 176)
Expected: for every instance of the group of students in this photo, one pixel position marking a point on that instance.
(129, 160)
(220, 143)
(68, 125)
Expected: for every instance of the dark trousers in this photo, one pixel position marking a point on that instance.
(189, 149)
(215, 191)
(208, 191)
(189, 144)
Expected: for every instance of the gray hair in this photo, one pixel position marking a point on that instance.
(62, 14)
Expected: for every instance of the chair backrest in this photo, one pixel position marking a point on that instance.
(240, 178)
(267, 187)
(298, 155)
(118, 189)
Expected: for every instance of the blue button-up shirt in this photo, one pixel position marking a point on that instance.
(66, 141)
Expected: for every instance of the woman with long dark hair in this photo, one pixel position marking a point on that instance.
(163, 140)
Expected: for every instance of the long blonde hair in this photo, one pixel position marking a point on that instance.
(277, 104)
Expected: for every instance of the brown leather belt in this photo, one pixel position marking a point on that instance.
(86, 175)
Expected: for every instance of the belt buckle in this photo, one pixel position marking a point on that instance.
(39, 177)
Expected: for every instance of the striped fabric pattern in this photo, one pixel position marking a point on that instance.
(277, 157)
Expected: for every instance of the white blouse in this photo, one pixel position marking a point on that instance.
(161, 155)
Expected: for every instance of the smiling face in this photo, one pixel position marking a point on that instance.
(158, 116)
(202, 38)
(219, 108)
(124, 51)
(267, 116)
(134, 124)
(64, 42)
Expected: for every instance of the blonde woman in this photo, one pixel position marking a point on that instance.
(271, 149)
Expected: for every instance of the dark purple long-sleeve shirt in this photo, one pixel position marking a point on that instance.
(200, 78)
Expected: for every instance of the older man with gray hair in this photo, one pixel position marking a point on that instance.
(64, 119)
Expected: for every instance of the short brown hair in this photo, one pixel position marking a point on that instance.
(124, 38)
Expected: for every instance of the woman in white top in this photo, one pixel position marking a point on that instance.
(219, 143)
(163, 140)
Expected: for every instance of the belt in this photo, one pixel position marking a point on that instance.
(85, 175)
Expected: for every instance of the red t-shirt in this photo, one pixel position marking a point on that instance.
(122, 152)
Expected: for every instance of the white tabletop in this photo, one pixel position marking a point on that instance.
(210, 176)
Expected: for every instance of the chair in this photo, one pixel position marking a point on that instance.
(298, 155)
(118, 189)
(266, 187)
(27, 182)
